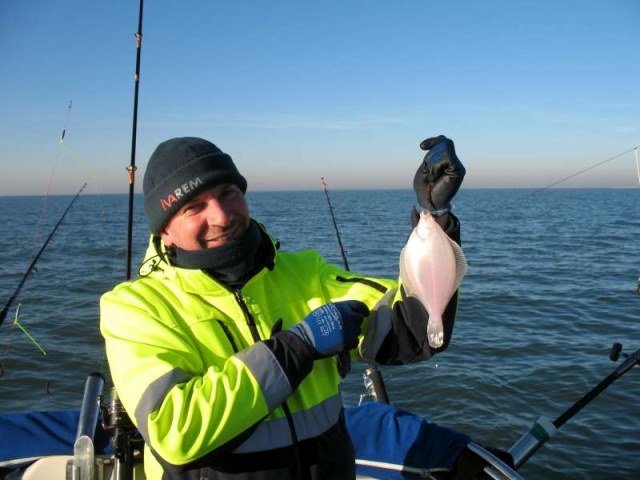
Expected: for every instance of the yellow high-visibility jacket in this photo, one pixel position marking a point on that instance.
(204, 379)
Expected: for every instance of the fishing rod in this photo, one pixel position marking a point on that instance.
(637, 163)
(6, 308)
(335, 225)
(373, 381)
(544, 428)
(115, 417)
(132, 166)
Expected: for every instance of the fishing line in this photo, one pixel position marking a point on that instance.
(72, 154)
(60, 142)
(635, 149)
(580, 173)
(24, 330)
(69, 150)
(45, 200)
(66, 121)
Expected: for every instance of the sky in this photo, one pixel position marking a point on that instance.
(530, 91)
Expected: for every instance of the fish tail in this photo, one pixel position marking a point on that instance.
(435, 332)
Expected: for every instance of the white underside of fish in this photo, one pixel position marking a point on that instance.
(431, 269)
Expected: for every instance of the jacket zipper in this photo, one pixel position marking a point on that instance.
(285, 408)
(247, 316)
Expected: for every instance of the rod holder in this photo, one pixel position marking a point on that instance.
(83, 449)
(90, 409)
(539, 434)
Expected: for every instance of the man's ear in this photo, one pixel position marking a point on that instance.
(167, 238)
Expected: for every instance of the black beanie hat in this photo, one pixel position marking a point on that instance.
(179, 170)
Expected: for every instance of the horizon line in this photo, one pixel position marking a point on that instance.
(84, 194)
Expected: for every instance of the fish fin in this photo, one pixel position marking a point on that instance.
(461, 261)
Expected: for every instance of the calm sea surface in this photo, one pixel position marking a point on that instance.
(551, 286)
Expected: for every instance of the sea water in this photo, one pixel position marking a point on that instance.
(551, 286)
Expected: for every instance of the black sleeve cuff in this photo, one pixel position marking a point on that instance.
(448, 222)
(294, 355)
(407, 340)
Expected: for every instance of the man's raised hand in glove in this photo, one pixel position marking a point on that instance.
(439, 175)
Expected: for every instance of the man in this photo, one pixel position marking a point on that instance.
(224, 352)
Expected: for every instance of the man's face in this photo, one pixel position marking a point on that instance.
(212, 219)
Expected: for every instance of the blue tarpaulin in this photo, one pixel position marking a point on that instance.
(386, 439)
(392, 443)
(36, 434)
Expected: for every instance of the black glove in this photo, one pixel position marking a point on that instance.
(470, 466)
(439, 175)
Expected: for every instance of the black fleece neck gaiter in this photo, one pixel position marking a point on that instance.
(232, 263)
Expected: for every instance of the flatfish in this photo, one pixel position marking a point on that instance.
(431, 269)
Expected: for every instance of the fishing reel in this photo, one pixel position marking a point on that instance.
(374, 385)
(126, 440)
(114, 415)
